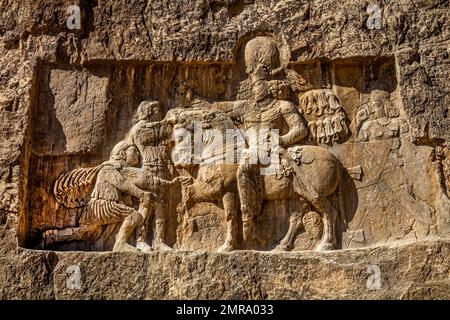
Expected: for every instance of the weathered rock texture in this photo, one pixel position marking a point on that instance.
(409, 271)
(67, 97)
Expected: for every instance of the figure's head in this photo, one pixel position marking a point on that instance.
(261, 57)
(149, 110)
(186, 93)
(126, 152)
(378, 99)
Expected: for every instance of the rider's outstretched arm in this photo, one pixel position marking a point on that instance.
(233, 109)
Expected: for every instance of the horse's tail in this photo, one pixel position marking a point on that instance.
(341, 196)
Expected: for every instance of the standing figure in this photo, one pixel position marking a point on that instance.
(151, 136)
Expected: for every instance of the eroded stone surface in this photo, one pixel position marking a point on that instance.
(408, 271)
(371, 104)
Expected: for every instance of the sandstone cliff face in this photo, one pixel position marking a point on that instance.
(68, 96)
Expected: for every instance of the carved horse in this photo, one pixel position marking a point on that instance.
(315, 177)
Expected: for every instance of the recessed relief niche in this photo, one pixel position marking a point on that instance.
(261, 153)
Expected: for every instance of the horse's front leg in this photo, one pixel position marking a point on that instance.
(295, 223)
(201, 191)
(188, 196)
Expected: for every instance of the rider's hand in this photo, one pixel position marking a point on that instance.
(182, 180)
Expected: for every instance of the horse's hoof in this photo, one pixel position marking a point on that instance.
(281, 248)
(161, 246)
(143, 246)
(226, 247)
(326, 246)
(124, 247)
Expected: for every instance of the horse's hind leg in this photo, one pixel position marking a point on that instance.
(329, 215)
(230, 206)
(295, 223)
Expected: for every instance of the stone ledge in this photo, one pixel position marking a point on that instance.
(419, 270)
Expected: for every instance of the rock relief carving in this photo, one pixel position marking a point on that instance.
(116, 188)
(306, 179)
(327, 120)
(109, 201)
(309, 173)
(379, 119)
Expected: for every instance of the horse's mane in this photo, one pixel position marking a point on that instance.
(214, 145)
(215, 127)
